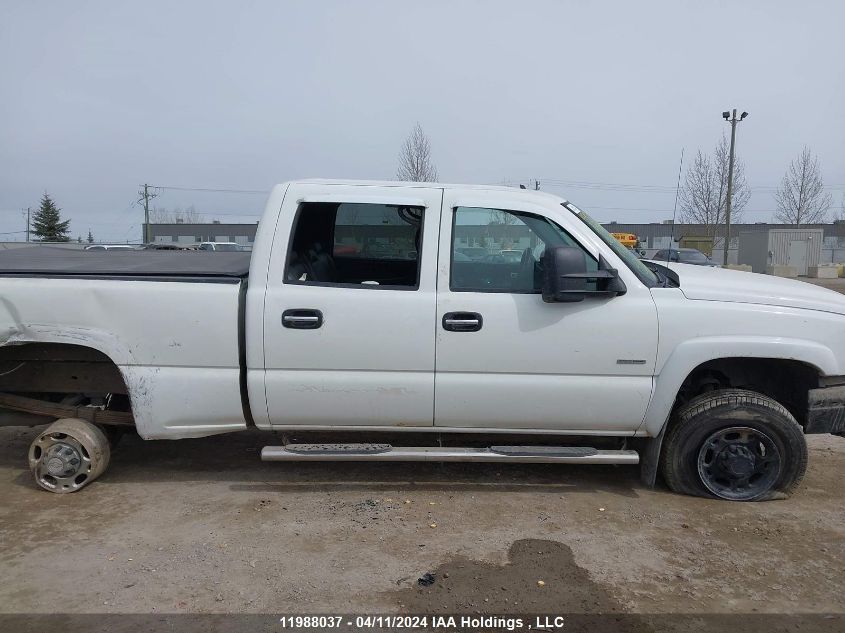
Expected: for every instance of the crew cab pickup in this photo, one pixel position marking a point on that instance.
(367, 307)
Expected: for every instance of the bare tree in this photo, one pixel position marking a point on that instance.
(704, 196)
(189, 215)
(801, 198)
(415, 158)
(502, 217)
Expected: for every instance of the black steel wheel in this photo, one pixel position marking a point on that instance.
(736, 445)
(739, 463)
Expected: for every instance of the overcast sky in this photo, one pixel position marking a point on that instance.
(98, 97)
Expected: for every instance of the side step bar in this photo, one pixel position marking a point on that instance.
(387, 453)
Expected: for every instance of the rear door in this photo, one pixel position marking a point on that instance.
(350, 306)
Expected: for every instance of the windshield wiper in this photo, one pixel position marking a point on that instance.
(664, 280)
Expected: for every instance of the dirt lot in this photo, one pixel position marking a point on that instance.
(203, 526)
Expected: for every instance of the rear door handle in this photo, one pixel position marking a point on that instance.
(302, 319)
(462, 321)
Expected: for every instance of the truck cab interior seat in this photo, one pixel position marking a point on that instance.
(321, 264)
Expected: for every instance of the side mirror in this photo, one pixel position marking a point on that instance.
(565, 276)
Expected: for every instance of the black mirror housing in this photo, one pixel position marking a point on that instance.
(558, 263)
(565, 276)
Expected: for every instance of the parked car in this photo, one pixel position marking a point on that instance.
(474, 252)
(586, 355)
(164, 246)
(226, 247)
(684, 256)
(111, 247)
(511, 255)
(504, 257)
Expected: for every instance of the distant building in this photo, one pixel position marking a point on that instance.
(189, 233)
(658, 235)
(653, 236)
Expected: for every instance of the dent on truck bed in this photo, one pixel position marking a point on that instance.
(173, 347)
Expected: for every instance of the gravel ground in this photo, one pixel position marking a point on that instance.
(203, 526)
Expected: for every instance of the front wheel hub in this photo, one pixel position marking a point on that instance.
(739, 463)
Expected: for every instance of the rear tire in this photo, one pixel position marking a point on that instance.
(734, 444)
(69, 455)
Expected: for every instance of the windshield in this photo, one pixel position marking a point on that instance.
(625, 254)
(693, 256)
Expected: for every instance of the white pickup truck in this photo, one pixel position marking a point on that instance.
(504, 320)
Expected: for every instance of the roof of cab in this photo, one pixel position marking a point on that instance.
(435, 185)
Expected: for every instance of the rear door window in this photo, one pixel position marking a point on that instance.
(372, 245)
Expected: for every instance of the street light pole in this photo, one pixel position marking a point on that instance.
(730, 117)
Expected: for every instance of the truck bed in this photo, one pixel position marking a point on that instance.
(47, 261)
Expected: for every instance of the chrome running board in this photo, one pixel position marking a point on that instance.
(388, 453)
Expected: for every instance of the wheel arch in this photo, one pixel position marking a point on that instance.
(53, 370)
(694, 355)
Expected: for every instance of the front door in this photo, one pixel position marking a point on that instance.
(506, 359)
(349, 310)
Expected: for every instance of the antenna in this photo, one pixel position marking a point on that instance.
(675, 209)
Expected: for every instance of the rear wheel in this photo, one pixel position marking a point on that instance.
(734, 444)
(68, 455)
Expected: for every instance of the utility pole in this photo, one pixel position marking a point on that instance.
(727, 116)
(147, 208)
(27, 224)
(146, 196)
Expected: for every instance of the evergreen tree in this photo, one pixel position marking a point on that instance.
(47, 223)
(90, 237)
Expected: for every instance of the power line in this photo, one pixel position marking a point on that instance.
(652, 210)
(175, 188)
(639, 188)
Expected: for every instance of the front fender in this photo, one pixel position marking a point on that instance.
(688, 355)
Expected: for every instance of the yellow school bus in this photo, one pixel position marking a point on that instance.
(626, 239)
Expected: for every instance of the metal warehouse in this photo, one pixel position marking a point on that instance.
(799, 249)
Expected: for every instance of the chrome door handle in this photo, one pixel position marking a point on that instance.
(302, 319)
(462, 321)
